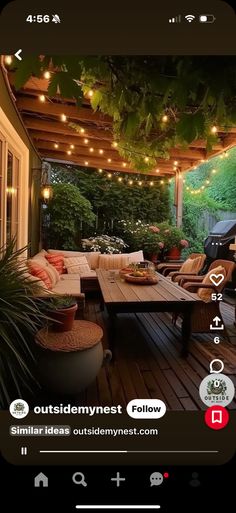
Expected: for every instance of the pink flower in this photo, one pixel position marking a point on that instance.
(154, 229)
(161, 245)
(184, 243)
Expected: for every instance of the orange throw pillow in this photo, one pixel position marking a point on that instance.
(205, 294)
(57, 261)
(41, 274)
(191, 265)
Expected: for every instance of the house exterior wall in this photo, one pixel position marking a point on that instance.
(34, 164)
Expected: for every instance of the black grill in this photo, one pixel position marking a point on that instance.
(218, 241)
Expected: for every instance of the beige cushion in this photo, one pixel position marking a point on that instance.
(113, 261)
(53, 274)
(38, 259)
(74, 276)
(65, 252)
(191, 265)
(93, 259)
(71, 287)
(91, 274)
(136, 256)
(76, 265)
(205, 294)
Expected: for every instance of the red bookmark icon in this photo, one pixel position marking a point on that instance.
(216, 417)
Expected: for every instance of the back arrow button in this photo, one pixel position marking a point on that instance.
(17, 55)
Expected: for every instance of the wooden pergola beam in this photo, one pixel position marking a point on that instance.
(52, 109)
(96, 163)
(34, 123)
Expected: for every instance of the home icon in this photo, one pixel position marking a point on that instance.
(41, 480)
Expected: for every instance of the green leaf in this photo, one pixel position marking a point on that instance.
(190, 127)
(130, 124)
(96, 99)
(24, 69)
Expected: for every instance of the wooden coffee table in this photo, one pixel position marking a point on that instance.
(122, 297)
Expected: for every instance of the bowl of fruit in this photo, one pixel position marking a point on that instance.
(141, 277)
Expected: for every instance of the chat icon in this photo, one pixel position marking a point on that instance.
(156, 479)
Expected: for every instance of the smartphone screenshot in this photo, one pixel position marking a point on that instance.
(117, 255)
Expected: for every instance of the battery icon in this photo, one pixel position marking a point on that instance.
(207, 18)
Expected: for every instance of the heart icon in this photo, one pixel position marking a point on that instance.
(216, 279)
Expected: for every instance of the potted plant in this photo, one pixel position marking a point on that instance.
(61, 311)
(20, 319)
(105, 244)
(173, 240)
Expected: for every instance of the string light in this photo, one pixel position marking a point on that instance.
(42, 98)
(151, 184)
(207, 182)
(165, 118)
(157, 170)
(214, 130)
(146, 159)
(140, 182)
(213, 171)
(56, 145)
(90, 93)
(175, 168)
(120, 179)
(115, 144)
(100, 170)
(109, 175)
(170, 180)
(91, 150)
(86, 163)
(124, 164)
(69, 152)
(8, 60)
(63, 118)
(176, 163)
(47, 75)
(101, 152)
(130, 182)
(82, 130)
(72, 146)
(85, 141)
(108, 160)
(161, 182)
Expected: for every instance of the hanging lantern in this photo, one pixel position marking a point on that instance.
(47, 192)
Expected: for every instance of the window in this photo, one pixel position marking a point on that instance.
(14, 182)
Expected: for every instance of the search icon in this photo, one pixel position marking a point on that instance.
(219, 363)
(79, 479)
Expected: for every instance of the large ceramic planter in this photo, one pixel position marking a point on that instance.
(174, 253)
(68, 373)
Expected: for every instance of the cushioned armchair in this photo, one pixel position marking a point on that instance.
(191, 267)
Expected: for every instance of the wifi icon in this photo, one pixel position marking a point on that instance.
(190, 18)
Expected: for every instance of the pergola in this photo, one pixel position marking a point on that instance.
(48, 123)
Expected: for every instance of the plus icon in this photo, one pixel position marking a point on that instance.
(118, 479)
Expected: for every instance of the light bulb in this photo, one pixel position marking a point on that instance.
(8, 60)
(90, 93)
(108, 160)
(119, 179)
(91, 150)
(114, 144)
(42, 98)
(165, 118)
(69, 152)
(157, 170)
(63, 118)
(151, 184)
(85, 141)
(214, 130)
(101, 152)
(56, 145)
(140, 182)
(100, 170)
(124, 164)
(86, 163)
(162, 181)
(72, 146)
(47, 75)
(213, 171)
(109, 175)
(130, 182)
(146, 159)
(176, 163)
(82, 130)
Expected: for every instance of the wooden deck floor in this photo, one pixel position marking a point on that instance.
(148, 362)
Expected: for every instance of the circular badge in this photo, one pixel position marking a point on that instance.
(216, 389)
(19, 408)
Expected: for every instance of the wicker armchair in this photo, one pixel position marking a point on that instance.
(203, 313)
